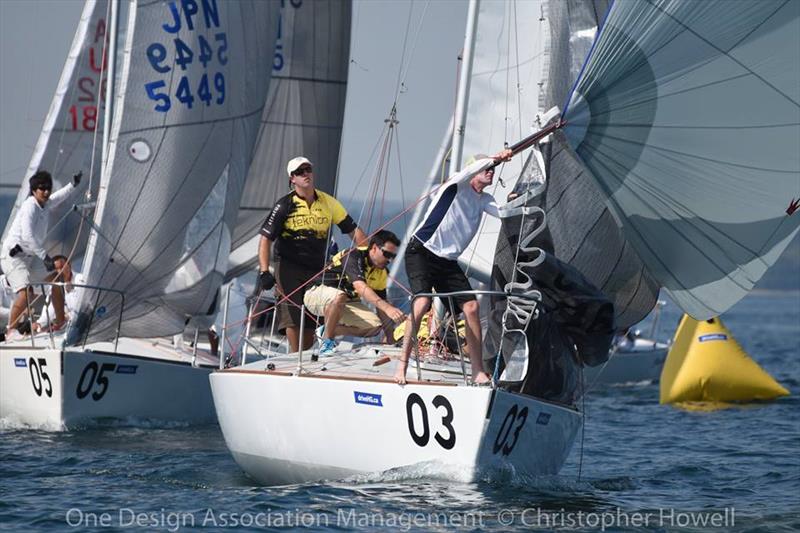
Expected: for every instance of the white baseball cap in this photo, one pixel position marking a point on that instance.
(296, 163)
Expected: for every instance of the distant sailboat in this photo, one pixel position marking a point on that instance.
(186, 113)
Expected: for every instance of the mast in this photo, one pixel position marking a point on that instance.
(462, 97)
(433, 176)
(111, 58)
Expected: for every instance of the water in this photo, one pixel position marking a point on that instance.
(639, 461)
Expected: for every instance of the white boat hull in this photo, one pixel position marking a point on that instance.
(55, 389)
(284, 429)
(641, 363)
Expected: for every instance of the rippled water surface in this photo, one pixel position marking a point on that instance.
(641, 465)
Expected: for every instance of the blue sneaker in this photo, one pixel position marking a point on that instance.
(327, 348)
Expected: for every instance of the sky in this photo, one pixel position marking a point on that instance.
(35, 36)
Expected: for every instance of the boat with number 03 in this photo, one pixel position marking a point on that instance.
(344, 415)
(638, 184)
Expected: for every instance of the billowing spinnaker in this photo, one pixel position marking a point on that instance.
(186, 118)
(687, 114)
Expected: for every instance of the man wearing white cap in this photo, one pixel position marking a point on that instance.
(299, 225)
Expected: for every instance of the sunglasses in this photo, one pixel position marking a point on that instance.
(388, 255)
(44, 188)
(302, 171)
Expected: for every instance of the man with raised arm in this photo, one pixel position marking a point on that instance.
(449, 225)
(299, 224)
(23, 257)
(355, 275)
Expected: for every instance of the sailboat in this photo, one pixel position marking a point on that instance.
(180, 129)
(653, 121)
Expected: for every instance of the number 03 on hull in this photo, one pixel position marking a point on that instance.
(283, 428)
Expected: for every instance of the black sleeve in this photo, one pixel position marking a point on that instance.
(273, 225)
(353, 267)
(347, 224)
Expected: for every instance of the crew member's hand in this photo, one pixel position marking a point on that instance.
(76, 179)
(49, 264)
(395, 314)
(503, 155)
(266, 280)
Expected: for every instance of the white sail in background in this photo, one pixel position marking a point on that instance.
(503, 103)
(303, 114)
(687, 114)
(72, 129)
(186, 119)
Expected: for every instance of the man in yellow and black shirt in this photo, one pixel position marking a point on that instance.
(355, 275)
(299, 225)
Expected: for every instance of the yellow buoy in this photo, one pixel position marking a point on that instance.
(706, 364)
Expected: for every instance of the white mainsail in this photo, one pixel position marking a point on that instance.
(186, 116)
(303, 114)
(72, 128)
(687, 115)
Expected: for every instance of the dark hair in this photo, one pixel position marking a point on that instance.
(42, 177)
(383, 236)
(60, 257)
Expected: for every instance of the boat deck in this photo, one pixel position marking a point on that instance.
(362, 361)
(159, 348)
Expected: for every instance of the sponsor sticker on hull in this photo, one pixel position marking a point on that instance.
(19, 361)
(368, 398)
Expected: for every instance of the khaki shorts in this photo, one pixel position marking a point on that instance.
(355, 314)
(21, 271)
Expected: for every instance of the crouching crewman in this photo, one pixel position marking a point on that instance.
(358, 274)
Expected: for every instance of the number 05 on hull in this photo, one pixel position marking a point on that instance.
(54, 389)
(284, 428)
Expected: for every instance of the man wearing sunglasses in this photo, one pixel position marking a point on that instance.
(355, 275)
(449, 225)
(299, 225)
(23, 257)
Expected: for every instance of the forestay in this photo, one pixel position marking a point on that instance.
(687, 114)
(193, 87)
(72, 128)
(303, 114)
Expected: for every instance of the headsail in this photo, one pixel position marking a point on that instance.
(303, 114)
(193, 87)
(687, 114)
(72, 127)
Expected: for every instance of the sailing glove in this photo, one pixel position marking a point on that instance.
(266, 279)
(15, 250)
(49, 263)
(76, 179)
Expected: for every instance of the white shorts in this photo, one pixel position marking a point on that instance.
(21, 271)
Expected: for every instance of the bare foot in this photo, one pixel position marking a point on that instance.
(400, 373)
(481, 378)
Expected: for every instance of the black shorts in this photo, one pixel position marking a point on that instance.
(290, 276)
(427, 271)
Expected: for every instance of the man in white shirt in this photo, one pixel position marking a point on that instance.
(450, 223)
(23, 257)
